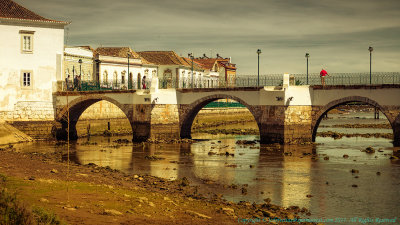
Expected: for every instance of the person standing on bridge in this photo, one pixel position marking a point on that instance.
(323, 74)
(144, 82)
(67, 83)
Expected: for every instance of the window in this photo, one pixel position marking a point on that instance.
(123, 77)
(26, 41)
(26, 79)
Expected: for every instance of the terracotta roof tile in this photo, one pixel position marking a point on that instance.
(210, 62)
(196, 65)
(163, 58)
(207, 63)
(116, 52)
(10, 9)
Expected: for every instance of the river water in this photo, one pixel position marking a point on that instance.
(282, 173)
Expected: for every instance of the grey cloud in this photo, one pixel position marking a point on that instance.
(335, 32)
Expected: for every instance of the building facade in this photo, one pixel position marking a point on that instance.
(112, 70)
(31, 63)
(174, 71)
(78, 61)
(218, 69)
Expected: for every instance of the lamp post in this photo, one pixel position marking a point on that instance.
(80, 74)
(129, 77)
(307, 56)
(258, 67)
(190, 55)
(370, 49)
(80, 67)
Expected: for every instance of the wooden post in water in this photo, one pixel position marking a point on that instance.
(376, 113)
(88, 131)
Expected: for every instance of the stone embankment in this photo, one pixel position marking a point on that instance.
(10, 135)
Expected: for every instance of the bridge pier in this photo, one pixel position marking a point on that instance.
(165, 122)
(396, 132)
(60, 131)
(285, 124)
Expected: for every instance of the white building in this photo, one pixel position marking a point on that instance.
(78, 61)
(112, 68)
(174, 71)
(31, 56)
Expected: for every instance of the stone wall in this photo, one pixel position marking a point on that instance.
(165, 122)
(29, 111)
(298, 121)
(98, 126)
(102, 110)
(36, 129)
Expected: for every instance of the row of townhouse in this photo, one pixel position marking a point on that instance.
(34, 63)
(122, 68)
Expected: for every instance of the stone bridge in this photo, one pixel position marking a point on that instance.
(284, 114)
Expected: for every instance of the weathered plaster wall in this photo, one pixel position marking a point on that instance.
(44, 62)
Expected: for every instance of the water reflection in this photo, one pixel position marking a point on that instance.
(286, 174)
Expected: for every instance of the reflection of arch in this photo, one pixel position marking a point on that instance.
(193, 109)
(78, 106)
(324, 110)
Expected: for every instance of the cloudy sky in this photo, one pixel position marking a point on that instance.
(336, 33)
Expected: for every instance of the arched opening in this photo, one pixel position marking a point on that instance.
(103, 118)
(220, 115)
(352, 117)
(130, 81)
(139, 81)
(91, 117)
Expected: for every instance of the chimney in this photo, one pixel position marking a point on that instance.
(218, 55)
(230, 59)
(204, 55)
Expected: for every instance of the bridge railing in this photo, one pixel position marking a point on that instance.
(241, 81)
(102, 86)
(277, 80)
(350, 78)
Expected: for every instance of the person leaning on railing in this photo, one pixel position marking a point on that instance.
(323, 74)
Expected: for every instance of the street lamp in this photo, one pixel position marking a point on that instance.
(258, 70)
(370, 49)
(129, 77)
(80, 74)
(80, 67)
(190, 55)
(307, 56)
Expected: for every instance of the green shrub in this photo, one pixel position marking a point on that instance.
(13, 212)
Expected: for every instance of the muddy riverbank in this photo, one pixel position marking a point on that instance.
(90, 194)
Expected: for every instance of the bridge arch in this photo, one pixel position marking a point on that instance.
(317, 117)
(76, 107)
(188, 114)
